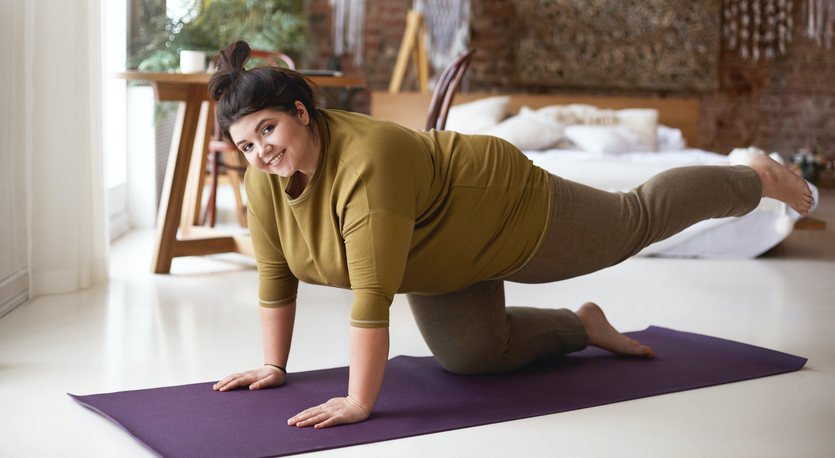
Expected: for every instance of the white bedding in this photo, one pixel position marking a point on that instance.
(728, 238)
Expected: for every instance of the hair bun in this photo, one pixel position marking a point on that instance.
(230, 64)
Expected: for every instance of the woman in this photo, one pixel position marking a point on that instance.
(342, 199)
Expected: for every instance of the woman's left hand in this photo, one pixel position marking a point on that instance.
(337, 411)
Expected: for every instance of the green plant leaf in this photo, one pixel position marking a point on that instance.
(276, 25)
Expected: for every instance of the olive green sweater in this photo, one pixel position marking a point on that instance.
(393, 210)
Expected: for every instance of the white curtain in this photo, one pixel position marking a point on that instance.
(56, 59)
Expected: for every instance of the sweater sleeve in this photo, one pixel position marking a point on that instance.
(378, 223)
(277, 286)
(376, 248)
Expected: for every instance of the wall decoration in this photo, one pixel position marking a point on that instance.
(348, 28)
(631, 44)
(754, 24)
(820, 20)
(447, 30)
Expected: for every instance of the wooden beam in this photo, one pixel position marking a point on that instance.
(243, 245)
(200, 246)
(414, 19)
(422, 63)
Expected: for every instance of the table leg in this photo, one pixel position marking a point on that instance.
(232, 158)
(197, 171)
(174, 186)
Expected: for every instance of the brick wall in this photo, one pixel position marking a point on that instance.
(385, 21)
(779, 106)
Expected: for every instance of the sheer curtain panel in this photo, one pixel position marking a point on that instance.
(54, 58)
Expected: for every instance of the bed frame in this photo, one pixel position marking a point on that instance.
(411, 108)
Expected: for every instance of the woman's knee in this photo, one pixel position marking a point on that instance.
(470, 366)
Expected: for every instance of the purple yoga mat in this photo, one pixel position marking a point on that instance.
(419, 397)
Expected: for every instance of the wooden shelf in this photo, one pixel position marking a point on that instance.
(203, 78)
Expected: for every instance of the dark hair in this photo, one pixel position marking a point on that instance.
(239, 92)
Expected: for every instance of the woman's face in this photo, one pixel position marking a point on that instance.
(277, 143)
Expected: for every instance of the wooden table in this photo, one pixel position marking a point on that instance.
(182, 189)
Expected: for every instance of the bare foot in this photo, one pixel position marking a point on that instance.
(603, 335)
(782, 184)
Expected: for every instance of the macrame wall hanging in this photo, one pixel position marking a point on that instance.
(755, 24)
(348, 27)
(447, 29)
(820, 16)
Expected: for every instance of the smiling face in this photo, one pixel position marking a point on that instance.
(277, 143)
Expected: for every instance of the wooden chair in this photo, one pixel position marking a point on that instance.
(445, 90)
(225, 156)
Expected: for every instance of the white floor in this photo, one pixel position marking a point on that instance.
(200, 323)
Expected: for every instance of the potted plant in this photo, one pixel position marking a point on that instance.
(809, 163)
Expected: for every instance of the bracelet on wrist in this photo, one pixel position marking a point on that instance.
(277, 367)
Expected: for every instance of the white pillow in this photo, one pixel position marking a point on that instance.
(474, 117)
(528, 131)
(670, 139)
(642, 121)
(606, 139)
(578, 113)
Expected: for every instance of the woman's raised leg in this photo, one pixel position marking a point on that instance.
(593, 229)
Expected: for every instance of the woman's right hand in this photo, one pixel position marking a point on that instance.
(256, 379)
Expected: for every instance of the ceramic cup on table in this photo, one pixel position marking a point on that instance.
(192, 61)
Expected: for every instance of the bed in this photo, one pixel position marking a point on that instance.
(587, 158)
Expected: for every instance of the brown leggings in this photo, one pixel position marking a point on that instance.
(472, 332)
